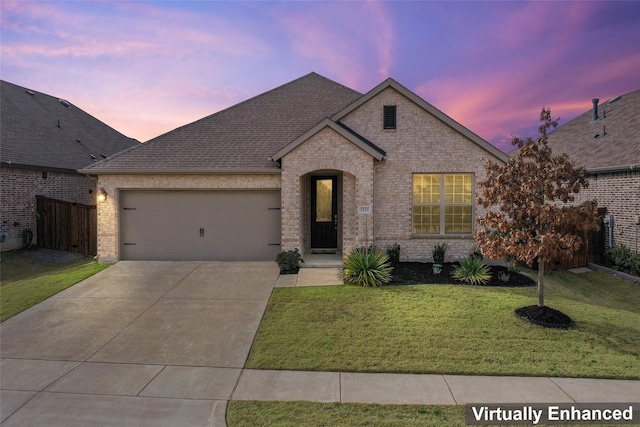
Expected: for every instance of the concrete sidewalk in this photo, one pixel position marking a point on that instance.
(414, 389)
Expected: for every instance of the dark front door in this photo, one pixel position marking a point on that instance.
(324, 212)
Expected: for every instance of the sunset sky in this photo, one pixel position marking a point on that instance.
(148, 67)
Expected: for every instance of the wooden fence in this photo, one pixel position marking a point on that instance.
(67, 226)
(591, 250)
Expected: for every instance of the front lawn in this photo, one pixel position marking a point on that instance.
(25, 282)
(454, 329)
(309, 414)
(312, 414)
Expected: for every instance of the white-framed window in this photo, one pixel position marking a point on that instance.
(442, 203)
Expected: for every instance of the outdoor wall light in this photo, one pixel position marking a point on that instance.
(102, 196)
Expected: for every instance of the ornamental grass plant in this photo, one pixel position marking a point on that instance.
(367, 267)
(473, 271)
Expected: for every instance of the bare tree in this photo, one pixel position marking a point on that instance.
(535, 219)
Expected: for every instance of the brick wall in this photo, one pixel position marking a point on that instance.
(327, 152)
(420, 144)
(108, 244)
(18, 190)
(619, 192)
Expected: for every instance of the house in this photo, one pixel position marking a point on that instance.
(606, 141)
(311, 164)
(44, 140)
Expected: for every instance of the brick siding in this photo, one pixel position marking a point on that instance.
(619, 192)
(420, 144)
(327, 152)
(18, 190)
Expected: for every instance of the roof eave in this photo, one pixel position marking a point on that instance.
(609, 169)
(150, 171)
(37, 167)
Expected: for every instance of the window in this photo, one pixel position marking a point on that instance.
(442, 203)
(389, 117)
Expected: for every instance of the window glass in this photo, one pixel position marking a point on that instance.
(426, 188)
(426, 219)
(324, 199)
(442, 203)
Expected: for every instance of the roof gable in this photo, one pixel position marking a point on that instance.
(611, 142)
(44, 132)
(349, 134)
(391, 83)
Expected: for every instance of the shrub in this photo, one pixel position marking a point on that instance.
(289, 261)
(624, 258)
(439, 252)
(634, 264)
(619, 255)
(367, 268)
(473, 271)
(393, 252)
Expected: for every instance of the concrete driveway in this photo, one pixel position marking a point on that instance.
(141, 343)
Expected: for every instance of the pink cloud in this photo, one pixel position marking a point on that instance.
(383, 36)
(326, 33)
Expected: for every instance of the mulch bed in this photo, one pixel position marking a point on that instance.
(544, 316)
(413, 273)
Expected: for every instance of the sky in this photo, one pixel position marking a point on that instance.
(147, 67)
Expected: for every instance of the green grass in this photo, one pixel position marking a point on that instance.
(454, 329)
(310, 414)
(26, 282)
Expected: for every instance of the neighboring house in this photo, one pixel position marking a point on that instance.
(606, 141)
(43, 141)
(311, 164)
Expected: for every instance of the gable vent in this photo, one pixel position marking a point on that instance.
(389, 117)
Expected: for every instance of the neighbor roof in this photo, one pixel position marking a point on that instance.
(43, 132)
(612, 142)
(241, 138)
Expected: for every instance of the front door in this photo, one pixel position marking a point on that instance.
(324, 212)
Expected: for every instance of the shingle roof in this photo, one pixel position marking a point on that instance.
(612, 141)
(39, 131)
(240, 138)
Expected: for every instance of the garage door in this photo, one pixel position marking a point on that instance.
(199, 225)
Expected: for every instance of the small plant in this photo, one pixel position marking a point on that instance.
(439, 252)
(289, 261)
(367, 268)
(393, 252)
(437, 268)
(476, 253)
(504, 276)
(472, 271)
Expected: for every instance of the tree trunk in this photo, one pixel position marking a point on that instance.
(540, 283)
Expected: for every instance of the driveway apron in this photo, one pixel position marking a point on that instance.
(144, 343)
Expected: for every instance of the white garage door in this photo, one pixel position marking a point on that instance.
(199, 225)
